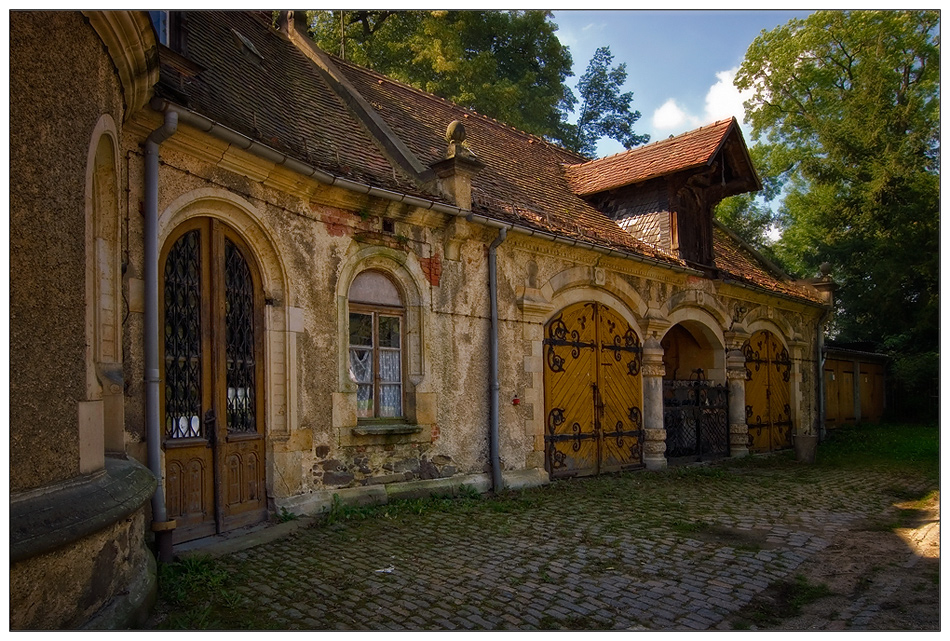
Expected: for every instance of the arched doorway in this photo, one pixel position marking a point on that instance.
(695, 400)
(768, 392)
(212, 372)
(593, 392)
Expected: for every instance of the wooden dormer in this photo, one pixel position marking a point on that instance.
(664, 193)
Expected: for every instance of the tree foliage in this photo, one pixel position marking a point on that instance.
(508, 65)
(605, 111)
(845, 113)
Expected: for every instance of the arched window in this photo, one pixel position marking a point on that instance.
(376, 316)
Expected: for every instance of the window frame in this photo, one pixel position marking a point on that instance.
(375, 310)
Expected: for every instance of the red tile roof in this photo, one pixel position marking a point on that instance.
(740, 264)
(283, 101)
(521, 182)
(687, 151)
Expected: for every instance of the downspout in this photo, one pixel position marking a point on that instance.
(822, 430)
(160, 523)
(497, 483)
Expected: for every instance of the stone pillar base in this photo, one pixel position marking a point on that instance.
(738, 440)
(654, 449)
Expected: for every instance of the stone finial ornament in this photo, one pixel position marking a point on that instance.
(455, 137)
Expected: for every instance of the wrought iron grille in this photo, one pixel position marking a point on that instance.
(183, 338)
(558, 334)
(239, 341)
(695, 415)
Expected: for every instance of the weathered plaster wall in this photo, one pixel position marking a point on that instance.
(321, 237)
(69, 88)
(69, 587)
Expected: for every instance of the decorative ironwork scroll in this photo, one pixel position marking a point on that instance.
(695, 415)
(183, 338)
(239, 341)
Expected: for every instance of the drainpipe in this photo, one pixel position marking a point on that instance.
(821, 376)
(160, 523)
(497, 483)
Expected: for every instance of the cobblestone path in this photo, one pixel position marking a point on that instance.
(676, 550)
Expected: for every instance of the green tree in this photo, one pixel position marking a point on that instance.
(505, 64)
(605, 111)
(846, 115)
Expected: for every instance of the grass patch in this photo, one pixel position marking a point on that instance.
(199, 594)
(896, 448)
(780, 601)
(688, 527)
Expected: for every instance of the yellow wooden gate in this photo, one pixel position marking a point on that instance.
(593, 392)
(768, 370)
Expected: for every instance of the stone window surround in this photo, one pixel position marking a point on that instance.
(100, 415)
(419, 408)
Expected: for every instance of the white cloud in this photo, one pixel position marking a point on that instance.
(723, 100)
(670, 117)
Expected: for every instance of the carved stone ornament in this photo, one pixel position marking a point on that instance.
(657, 370)
(736, 373)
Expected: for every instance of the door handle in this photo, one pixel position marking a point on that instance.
(211, 428)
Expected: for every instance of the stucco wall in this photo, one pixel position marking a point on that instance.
(70, 84)
(311, 240)
(67, 588)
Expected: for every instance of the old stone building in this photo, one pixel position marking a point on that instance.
(248, 276)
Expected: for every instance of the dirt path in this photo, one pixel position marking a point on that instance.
(877, 578)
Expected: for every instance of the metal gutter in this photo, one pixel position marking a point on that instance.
(230, 136)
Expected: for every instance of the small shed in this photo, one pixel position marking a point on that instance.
(854, 384)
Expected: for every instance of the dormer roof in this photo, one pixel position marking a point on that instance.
(693, 150)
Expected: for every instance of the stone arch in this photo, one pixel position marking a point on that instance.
(700, 300)
(280, 339)
(759, 319)
(704, 328)
(568, 282)
(102, 416)
(241, 216)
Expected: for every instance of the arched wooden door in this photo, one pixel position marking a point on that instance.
(593, 392)
(768, 370)
(212, 373)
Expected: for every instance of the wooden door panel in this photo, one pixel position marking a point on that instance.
(767, 393)
(245, 500)
(846, 392)
(780, 394)
(213, 372)
(620, 391)
(756, 392)
(570, 438)
(189, 495)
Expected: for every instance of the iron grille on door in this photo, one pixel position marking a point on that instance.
(695, 415)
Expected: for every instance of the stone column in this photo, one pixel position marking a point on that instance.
(738, 428)
(654, 446)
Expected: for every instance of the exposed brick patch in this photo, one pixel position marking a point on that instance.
(339, 222)
(436, 432)
(432, 268)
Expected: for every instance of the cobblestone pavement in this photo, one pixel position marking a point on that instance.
(682, 549)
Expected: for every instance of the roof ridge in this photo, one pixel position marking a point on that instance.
(429, 94)
(655, 143)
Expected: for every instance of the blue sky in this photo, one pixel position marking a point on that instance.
(680, 63)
